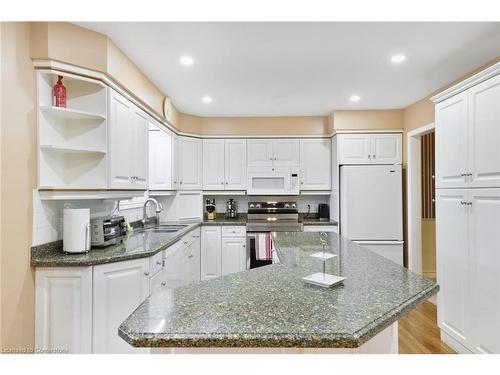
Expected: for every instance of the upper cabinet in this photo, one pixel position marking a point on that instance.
(160, 158)
(273, 152)
(384, 148)
(128, 144)
(190, 163)
(315, 164)
(224, 164)
(468, 137)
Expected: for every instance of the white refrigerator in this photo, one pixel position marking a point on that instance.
(371, 208)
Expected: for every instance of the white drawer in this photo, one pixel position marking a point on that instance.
(155, 263)
(321, 228)
(234, 231)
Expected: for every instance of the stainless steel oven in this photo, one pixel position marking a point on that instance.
(264, 218)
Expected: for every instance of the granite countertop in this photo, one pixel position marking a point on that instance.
(240, 219)
(135, 245)
(271, 306)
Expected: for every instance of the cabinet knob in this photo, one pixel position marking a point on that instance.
(463, 174)
(374, 156)
(146, 273)
(180, 182)
(185, 242)
(190, 255)
(227, 182)
(222, 183)
(369, 156)
(164, 284)
(159, 263)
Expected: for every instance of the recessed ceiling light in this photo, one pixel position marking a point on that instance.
(355, 98)
(186, 60)
(398, 58)
(206, 99)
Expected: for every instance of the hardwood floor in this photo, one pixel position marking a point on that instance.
(419, 333)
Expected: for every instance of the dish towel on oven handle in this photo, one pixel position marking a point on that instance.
(263, 246)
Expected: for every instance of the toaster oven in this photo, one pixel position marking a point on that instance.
(108, 230)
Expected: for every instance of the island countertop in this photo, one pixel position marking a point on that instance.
(272, 307)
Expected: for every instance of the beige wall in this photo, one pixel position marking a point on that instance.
(304, 125)
(18, 178)
(368, 119)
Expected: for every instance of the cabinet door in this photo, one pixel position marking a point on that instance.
(354, 148)
(259, 152)
(452, 262)
(190, 163)
(451, 142)
(484, 262)
(213, 164)
(210, 252)
(160, 160)
(120, 141)
(119, 288)
(138, 156)
(172, 270)
(155, 283)
(234, 257)
(386, 148)
(63, 309)
(484, 134)
(285, 152)
(194, 261)
(315, 164)
(235, 164)
(175, 162)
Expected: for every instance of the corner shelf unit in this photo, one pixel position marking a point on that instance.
(72, 141)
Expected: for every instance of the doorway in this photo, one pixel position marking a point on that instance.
(420, 195)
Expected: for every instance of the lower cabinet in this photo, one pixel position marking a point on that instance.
(234, 257)
(468, 268)
(119, 288)
(210, 252)
(63, 309)
(223, 251)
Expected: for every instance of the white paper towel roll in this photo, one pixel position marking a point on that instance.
(76, 230)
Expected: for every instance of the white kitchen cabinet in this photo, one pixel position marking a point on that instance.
(156, 282)
(321, 228)
(224, 164)
(260, 153)
(213, 164)
(451, 142)
(386, 148)
(63, 309)
(172, 269)
(160, 158)
(484, 134)
(234, 257)
(175, 161)
(354, 148)
(315, 164)
(392, 250)
(370, 148)
(211, 247)
(285, 152)
(190, 163)
(127, 144)
(119, 288)
(235, 164)
(273, 152)
(452, 263)
(468, 137)
(192, 260)
(484, 266)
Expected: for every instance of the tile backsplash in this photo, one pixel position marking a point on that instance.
(48, 214)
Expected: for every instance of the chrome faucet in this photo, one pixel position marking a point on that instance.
(158, 209)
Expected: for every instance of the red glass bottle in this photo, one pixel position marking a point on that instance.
(59, 93)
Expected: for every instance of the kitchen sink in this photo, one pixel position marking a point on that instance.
(162, 228)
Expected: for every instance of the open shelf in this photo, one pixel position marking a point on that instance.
(72, 141)
(72, 114)
(71, 150)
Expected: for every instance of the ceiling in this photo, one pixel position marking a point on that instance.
(299, 68)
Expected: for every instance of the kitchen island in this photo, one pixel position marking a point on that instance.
(270, 309)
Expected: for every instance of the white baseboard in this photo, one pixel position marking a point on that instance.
(454, 344)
